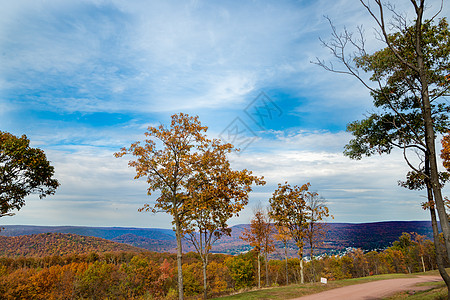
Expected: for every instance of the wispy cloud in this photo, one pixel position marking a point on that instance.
(84, 78)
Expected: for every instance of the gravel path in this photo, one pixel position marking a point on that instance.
(373, 290)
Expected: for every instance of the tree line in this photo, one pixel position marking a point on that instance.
(131, 275)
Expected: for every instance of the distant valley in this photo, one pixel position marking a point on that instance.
(368, 236)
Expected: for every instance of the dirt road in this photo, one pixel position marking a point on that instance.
(373, 290)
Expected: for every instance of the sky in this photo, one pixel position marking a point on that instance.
(84, 78)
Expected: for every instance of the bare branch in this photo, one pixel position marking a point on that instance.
(439, 11)
(381, 23)
(410, 165)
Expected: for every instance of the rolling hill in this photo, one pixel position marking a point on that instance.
(368, 236)
(48, 244)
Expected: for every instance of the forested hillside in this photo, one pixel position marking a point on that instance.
(47, 244)
(151, 275)
(367, 236)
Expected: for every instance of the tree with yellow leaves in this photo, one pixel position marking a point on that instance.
(259, 237)
(215, 194)
(282, 234)
(445, 151)
(288, 208)
(167, 159)
(316, 229)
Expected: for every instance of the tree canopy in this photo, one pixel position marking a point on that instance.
(399, 121)
(196, 184)
(409, 78)
(23, 171)
(288, 208)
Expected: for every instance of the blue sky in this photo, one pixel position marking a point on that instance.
(84, 78)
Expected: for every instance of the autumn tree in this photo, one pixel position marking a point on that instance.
(410, 77)
(419, 241)
(268, 245)
(167, 159)
(283, 235)
(259, 237)
(316, 229)
(215, 194)
(23, 171)
(288, 208)
(445, 151)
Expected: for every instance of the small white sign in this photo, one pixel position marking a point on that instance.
(323, 280)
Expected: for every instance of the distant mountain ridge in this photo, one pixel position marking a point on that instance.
(368, 236)
(107, 233)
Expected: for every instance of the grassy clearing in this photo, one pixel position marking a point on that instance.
(298, 290)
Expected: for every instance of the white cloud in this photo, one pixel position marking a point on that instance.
(357, 191)
(61, 61)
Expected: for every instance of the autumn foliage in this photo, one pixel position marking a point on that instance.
(51, 244)
(445, 151)
(150, 275)
(197, 186)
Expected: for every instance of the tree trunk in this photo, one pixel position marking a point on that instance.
(286, 258)
(267, 270)
(431, 150)
(302, 277)
(423, 263)
(259, 270)
(437, 243)
(312, 261)
(179, 256)
(205, 283)
(430, 135)
(434, 180)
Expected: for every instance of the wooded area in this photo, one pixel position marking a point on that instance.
(131, 275)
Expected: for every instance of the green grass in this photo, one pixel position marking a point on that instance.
(298, 290)
(437, 291)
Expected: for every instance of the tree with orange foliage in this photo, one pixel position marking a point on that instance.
(215, 194)
(316, 230)
(259, 236)
(167, 160)
(288, 207)
(284, 236)
(445, 151)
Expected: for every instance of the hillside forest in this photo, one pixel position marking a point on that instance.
(137, 274)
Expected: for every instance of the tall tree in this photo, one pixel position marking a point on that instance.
(23, 171)
(259, 237)
(419, 240)
(284, 236)
(167, 159)
(268, 245)
(316, 230)
(288, 208)
(411, 77)
(215, 194)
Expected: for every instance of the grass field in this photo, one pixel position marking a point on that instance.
(298, 290)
